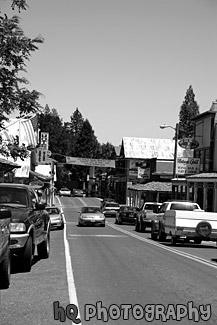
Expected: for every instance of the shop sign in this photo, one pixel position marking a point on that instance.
(144, 173)
(188, 143)
(187, 166)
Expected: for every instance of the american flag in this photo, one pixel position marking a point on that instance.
(34, 121)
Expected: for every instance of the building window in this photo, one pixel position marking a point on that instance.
(201, 160)
(204, 156)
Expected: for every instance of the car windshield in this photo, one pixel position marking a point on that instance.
(151, 206)
(64, 189)
(183, 206)
(90, 209)
(13, 195)
(116, 205)
(128, 208)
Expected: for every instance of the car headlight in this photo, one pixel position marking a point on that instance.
(17, 227)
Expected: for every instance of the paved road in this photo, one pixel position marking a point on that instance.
(111, 274)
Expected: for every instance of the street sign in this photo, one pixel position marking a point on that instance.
(44, 140)
(41, 156)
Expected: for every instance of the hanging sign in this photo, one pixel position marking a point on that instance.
(188, 143)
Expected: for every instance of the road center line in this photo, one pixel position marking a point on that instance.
(170, 249)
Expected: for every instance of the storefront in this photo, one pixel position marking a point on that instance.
(202, 188)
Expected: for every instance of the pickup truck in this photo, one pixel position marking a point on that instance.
(194, 225)
(5, 256)
(29, 224)
(157, 226)
(145, 215)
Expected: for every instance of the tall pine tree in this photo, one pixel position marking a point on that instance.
(188, 110)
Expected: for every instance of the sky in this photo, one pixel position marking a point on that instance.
(125, 64)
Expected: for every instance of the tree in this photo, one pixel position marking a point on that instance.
(107, 151)
(20, 4)
(188, 110)
(77, 121)
(49, 121)
(15, 50)
(87, 145)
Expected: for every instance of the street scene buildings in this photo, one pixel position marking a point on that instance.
(145, 168)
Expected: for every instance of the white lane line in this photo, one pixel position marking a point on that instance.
(82, 201)
(173, 250)
(69, 273)
(78, 235)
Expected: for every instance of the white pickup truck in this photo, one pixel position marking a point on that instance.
(158, 219)
(196, 225)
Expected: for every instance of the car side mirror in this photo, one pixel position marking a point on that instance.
(5, 214)
(40, 206)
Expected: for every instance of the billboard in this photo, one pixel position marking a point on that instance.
(90, 162)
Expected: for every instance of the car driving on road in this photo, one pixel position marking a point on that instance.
(65, 191)
(91, 215)
(110, 209)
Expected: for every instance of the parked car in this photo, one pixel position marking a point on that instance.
(157, 226)
(56, 217)
(91, 215)
(78, 193)
(145, 216)
(110, 209)
(5, 256)
(64, 192)
(126, 214)
(30, 223)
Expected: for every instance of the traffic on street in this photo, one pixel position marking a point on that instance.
(112, 274)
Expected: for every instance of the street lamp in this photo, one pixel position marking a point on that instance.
(176, 129)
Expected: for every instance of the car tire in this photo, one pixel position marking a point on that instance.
(162, 235)
(61, 227)
(26, 258)
(136, 226)
(141, 229)
(154, 235)
(103, 225)
(44, 248)
(5, 270)
(173, 240)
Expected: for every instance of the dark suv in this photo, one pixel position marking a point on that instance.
(5, 257)
(30, 223)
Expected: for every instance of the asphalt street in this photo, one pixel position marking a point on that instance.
(113, 275)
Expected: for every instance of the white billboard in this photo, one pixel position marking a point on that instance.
(90, 162)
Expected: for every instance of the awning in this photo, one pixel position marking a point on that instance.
(7, 166)
(41, 177)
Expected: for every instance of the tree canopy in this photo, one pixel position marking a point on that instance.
(15, 51)
(188, 110)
